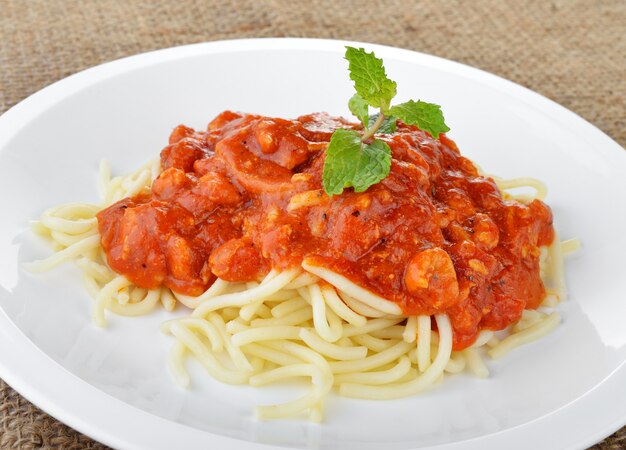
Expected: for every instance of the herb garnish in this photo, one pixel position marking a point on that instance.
(359, 160)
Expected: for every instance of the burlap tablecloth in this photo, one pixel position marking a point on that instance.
(571, 51)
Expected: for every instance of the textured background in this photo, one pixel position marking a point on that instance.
(571, 51)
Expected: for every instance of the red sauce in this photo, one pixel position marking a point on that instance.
(434, 236)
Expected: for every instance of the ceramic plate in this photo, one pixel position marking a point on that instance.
(566, 391)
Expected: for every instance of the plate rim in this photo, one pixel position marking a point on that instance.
(36, 386)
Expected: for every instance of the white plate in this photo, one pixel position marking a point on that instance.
(566, 391)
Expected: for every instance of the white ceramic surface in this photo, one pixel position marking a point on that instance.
(566, 391)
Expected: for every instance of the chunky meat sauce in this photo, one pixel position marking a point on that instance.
(246, 196)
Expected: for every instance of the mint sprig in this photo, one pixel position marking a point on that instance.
(360, 160)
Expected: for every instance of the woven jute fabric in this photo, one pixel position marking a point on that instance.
(571, 51)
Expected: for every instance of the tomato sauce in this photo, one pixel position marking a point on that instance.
(246, 196)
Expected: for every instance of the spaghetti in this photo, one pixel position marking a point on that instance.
(306, 320)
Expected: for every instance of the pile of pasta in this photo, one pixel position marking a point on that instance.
(307, 322)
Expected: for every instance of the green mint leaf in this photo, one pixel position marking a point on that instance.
(427, 116)
(387, 127)
(374, 165)
(342, 156)
(360, 109)
(370, 79)
(352, 163)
